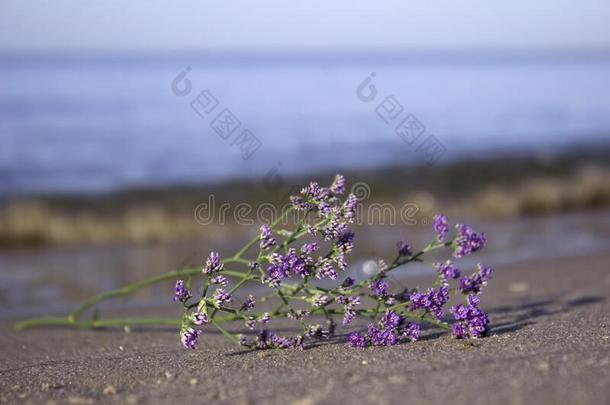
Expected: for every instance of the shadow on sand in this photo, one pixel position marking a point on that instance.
(514, 317)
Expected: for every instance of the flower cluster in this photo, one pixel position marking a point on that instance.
(404, 249)
(349, 304)
(475, 283)
(380, 288)
(200, 318)
(213, 264)
(338, 186)
(468, 241)
(284, 266)
(181, 293)
(190, 337)
(441, 227)
(267, 240)
(447, 272)
(249, 304)
(221, 297)
(432, 301)
(388, 332)
(267, 340)
(472, 322)
(289, 272)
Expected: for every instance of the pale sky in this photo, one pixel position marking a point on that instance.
(145, 24)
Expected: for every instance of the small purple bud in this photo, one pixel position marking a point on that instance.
(213, 264)
(180, 292)
(404, 249)
(441, 227)
(190, 338)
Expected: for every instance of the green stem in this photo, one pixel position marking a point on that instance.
(253, 242)
(130, 288)
(100, 323)
(224, 332)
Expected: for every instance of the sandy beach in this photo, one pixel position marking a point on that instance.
(222, 177)
(549, 343)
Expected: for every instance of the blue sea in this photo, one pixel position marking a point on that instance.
(90, 123)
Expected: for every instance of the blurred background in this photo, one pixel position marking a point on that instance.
(125, 127)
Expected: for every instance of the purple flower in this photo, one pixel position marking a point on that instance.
(266, 238)
(282, 266)
(348, 317)
(459, 332)
(309, 248)
(282, 342)
(213, 264)
(190, 338)
(475, 283)
(380, 288)
(381, 337)
(441, 227)
(251, 323)
(333, 229)
(375, 335)
(319, 300)
(220, 280)
(296, 264)
(326, 269)
(404, 249)
(432, 301)
(300, 204)
(349, 208)
(412, 331)
(315, 192)
(447, 271)
(338, 186)
(390, 329)
(345, 242)
(300, 268)
(326, 209)
(484, 272)
(474, 300)
(460, 312)
(180, 292)
(357, 339)
(472, 321)
(467, 241)
(249, 303)
(276, 273)
(392, 319)
(200, 318)
(221, 297)
(349, 303)
(347, 283)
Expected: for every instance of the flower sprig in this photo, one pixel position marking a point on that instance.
(296, 266)
(292, 263)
